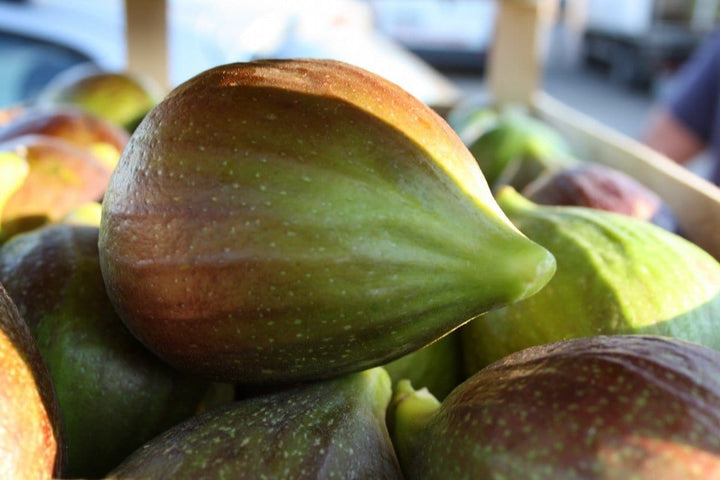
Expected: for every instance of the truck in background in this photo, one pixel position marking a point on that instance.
(642, 42)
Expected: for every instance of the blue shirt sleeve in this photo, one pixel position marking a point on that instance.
(694, 93)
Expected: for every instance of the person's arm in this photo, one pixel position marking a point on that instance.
(671, 137)
(682, 126)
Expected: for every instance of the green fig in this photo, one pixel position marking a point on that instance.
(518, 148)
(287, 220)
(323, 430)
(121, 97)
(101, 137)
(615, 274)
(114, 395)
(437, 367)
(470, 121)
(60, 177)
(617, 407)
(31, 439)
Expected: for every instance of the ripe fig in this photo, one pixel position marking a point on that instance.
(79, 127)
(603, 407)
(598, 186)
(518, 148)
(113, 393)
(323, 430)
(30, 427)
(615, 274)
(287, 220)
(13, 171)
(61, 176)
(121, 97)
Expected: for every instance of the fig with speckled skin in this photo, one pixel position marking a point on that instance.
(320, 431)
(103, 138)
(31, 442)
(615, 274)
(60, 177)
(113, 393)
(605, 407)
(287, 220)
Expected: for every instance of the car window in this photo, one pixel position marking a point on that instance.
(28, 64)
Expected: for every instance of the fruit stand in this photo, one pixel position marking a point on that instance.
(296, 269)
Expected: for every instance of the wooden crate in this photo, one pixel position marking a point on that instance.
(514, 74)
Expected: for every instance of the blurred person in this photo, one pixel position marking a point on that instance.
(686, 121)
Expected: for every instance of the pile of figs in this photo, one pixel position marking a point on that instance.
(293, 269)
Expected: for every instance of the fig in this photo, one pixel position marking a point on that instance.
(603, 407)
(13, 171)
(31, 439)
(598, 186)
(120, 97)
(437, 367)
(615, 274)
(102, 137)
(290, 220)
(113, 393)
(60, 177)
(327, 429)
(470, 120)
(518, 148)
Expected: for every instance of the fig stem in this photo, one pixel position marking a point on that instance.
(411, 410)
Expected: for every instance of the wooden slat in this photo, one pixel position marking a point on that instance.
(146, 38)
(516, 55)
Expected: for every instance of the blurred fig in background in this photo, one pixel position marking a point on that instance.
(61, 176)
(598, 186)
(517, 148)
(79, 127)
(123, 98)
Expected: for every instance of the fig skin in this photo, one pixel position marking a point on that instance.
(31, 438)
(601, 407)
(113, 393)
(284, 221)
(77, 126)
(60, 177)
(615, 274)
(596, 186)
(319, 431)
(120, 97)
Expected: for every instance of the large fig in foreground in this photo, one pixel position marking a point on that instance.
(321, 431)
(279, 221)
(615, 274)
(605, 407)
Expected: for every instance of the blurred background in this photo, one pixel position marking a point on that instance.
(608, 58)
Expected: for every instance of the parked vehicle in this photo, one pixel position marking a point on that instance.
(642, 41)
